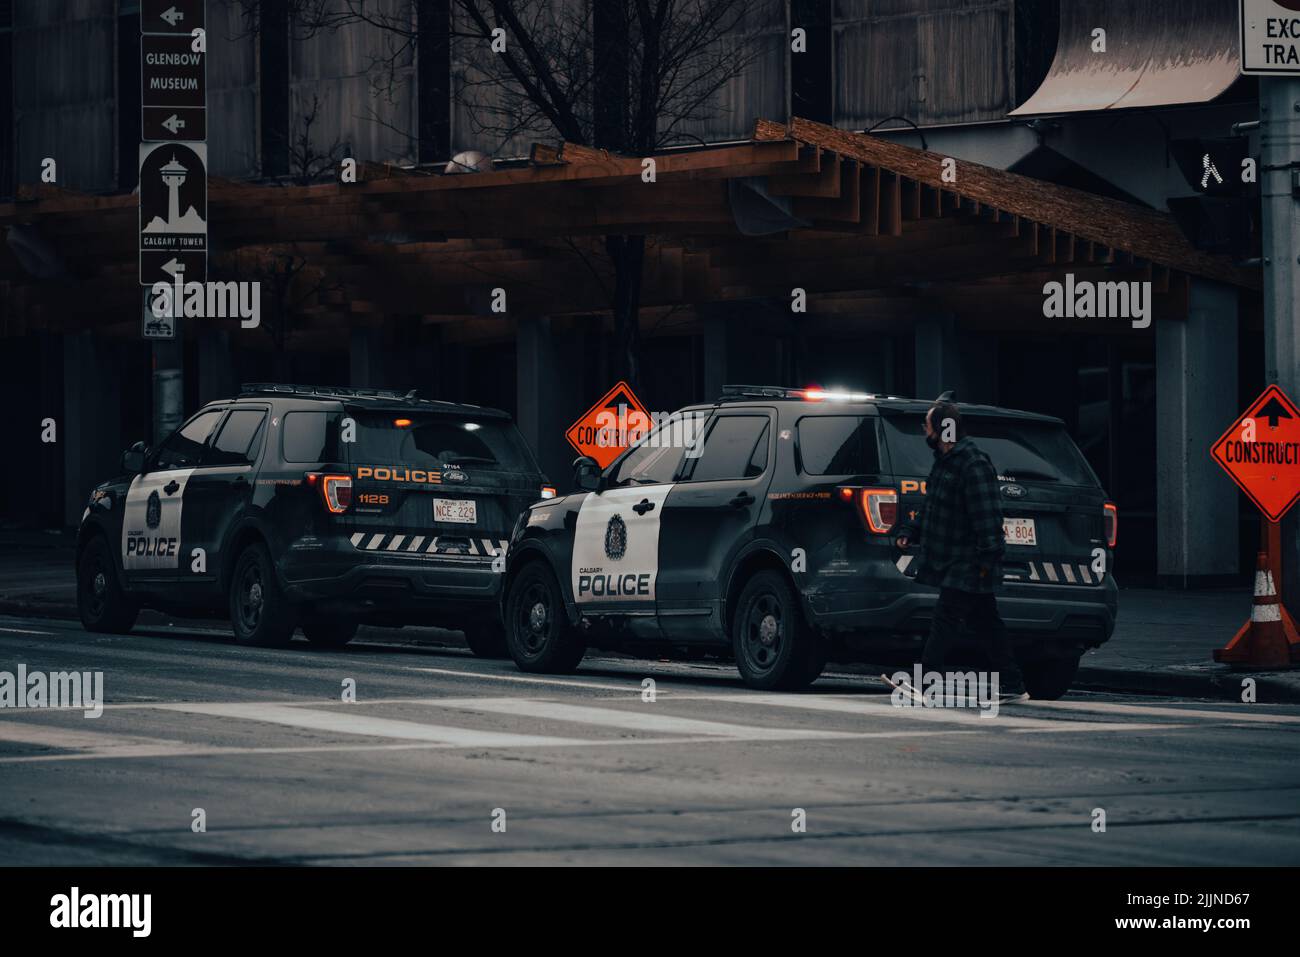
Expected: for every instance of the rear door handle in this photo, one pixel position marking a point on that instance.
(643, 506)
(742, 500)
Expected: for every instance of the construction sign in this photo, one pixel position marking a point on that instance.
(1261, 452)
(610, 426)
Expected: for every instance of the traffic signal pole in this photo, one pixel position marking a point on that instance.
(1279, 116)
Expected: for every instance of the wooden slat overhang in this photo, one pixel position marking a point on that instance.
(871, 217)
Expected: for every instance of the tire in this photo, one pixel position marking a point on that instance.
(774, 647)
(329, 632)
(538, 633)
(1049, 678)
(487, 639)
(259, 613)
(101, 603)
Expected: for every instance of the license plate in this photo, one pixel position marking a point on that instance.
(458, 510)
(1019, 531)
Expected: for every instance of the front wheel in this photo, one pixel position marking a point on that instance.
(259, 612)
(101, 603)
(1050, 678)
(774, 647)
(539, 635)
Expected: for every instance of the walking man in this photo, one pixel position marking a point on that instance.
(961, 543)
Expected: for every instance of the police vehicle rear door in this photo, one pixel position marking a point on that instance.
(444, 486)
(155, 503)
(709, 516)
(1053, 507)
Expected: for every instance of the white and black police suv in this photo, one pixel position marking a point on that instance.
(291, 506)
(758, 527)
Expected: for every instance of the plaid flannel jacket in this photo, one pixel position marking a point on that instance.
(960, 534)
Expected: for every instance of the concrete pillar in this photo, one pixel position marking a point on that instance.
(217, 379)
(548, 395)
(937, 366)
(1196, 395)
(744, 343)
(90, 432)
(366, 359)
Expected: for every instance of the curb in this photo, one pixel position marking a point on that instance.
(1224, 685)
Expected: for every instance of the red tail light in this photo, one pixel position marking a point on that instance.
(879, 506)
(1111, 523)
(335, 490)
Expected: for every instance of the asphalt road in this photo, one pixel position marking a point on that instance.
(583, 770)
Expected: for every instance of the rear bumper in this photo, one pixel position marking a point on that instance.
(1080, 615)
(402, 590)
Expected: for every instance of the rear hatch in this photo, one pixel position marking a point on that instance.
(437, 485)
(1052, 504)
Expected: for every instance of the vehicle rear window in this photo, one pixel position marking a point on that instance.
(310, 437)
(1022, 450)
(431, 440)
(838, 445)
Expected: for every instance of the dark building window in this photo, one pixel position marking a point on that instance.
(128, 96)
(7, 157)
(433, 61)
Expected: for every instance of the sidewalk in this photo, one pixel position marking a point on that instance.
(1162, 643)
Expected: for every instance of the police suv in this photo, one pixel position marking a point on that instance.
(321, 508)
(758, 527)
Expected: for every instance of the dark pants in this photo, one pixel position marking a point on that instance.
(979, 614)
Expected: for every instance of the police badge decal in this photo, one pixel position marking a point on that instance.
(153, 510)
(615, 538)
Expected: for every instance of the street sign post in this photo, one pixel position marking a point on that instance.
(173, 212)
(611, 425)
(1270, 37)
(1261, 453)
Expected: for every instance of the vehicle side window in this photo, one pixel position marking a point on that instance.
(183, 449)
(838, 445)
(731, 450)
(310, 437)
(240, 439)
(656, 460)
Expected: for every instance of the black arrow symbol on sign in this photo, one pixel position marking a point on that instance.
(171, 487)
(1272, 410)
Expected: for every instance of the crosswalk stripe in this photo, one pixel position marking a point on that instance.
(877, 705)
(73, 739)
(1119, 707)
(350, 722)
(627, 720)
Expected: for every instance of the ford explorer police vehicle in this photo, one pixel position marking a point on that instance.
(291, 506)
(758, 527)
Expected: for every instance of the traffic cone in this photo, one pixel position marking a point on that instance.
(1262, 642)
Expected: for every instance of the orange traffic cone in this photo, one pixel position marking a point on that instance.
(1262, 641)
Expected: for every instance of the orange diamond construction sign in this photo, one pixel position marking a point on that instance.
(1261, 451)
(611, 425)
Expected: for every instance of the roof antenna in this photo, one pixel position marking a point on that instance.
(949, 396)
(410, 396)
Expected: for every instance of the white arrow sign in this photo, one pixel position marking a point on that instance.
(173, 123)
(172, 16)
(174, 268)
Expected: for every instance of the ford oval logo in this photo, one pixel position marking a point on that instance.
(1014, 491)
(455, 475)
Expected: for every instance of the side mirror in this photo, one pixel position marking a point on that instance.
(133, 459)
(586, 474)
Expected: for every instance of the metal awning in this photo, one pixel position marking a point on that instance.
(1158, 53)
